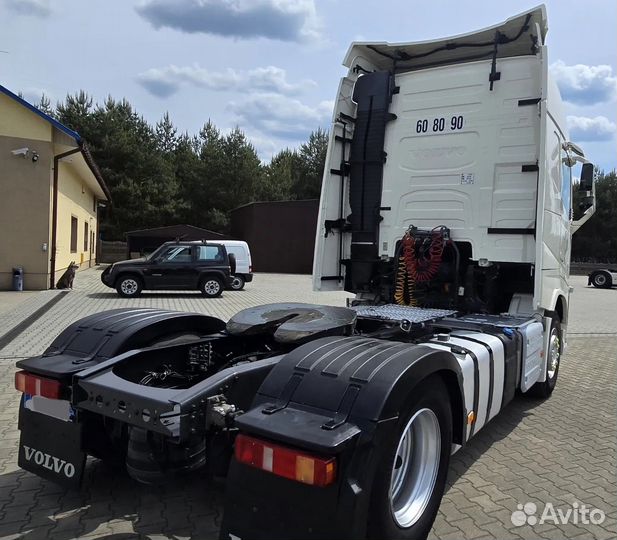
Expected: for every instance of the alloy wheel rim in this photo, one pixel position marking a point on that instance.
(129, 286)
(212, 287)
(600, 279)
(415, 468)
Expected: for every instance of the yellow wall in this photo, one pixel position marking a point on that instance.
(24, 211)
(17, 121)
(76, 199)
(26, 201)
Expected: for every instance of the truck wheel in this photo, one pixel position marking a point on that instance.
(129, 286)
(410, 480)
(545, 388)
(237, 283)
(601, 279)
(211, 287)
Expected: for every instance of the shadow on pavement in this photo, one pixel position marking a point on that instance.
(110, 506)
(497, 429)
(113, 294)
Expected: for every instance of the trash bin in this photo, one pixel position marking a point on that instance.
(18, 278)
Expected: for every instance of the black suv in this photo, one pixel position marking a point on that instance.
(183, 266)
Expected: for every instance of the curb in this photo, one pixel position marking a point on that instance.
(14, 332)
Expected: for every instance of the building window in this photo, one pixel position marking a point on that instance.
(86, 236)
(73, 234)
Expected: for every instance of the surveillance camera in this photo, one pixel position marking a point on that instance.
(20, 152)
(35, 157)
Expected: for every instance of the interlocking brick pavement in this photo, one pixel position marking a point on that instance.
(561, 451)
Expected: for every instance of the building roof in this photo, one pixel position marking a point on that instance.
(173, 230)
(85, 152)
(274, 203)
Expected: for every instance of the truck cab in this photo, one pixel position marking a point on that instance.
(464, 134)
(446, 209)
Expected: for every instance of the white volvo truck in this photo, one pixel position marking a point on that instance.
(445, 208)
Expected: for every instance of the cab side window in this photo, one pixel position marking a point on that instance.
(177, 254)
(566, 189)
(211, 254)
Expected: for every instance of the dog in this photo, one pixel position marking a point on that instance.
(66, 280)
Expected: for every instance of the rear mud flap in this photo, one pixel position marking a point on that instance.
(51, 448)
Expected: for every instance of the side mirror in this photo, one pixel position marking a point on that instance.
(586, 177)
(586, 198)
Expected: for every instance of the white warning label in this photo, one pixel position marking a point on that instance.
(467, 178)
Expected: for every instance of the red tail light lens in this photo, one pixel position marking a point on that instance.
(286, 462)
(37, 386)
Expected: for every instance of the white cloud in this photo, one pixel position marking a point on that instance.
(281, 116)
(598, 128)
(166, 81)
(285, 20)
(35, 8)
(585, 85)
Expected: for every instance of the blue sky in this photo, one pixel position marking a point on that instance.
(272, 67)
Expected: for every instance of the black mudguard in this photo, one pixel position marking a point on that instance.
(333, 396)
(101, 336)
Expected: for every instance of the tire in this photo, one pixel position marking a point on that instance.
(211, 287)
(237, 283)
(406, 497)
(601, 279)
(129, 286)
(545, 388)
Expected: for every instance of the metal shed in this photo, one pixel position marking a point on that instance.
(281, 234)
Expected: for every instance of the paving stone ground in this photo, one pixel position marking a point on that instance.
(560, 451)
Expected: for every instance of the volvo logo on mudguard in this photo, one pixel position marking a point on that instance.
(52, 463)
(51, 448)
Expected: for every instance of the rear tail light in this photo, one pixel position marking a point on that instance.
(250, 269)
(37, 386)
(286, 462)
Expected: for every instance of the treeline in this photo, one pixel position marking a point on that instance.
(596, 241)
(158, 176)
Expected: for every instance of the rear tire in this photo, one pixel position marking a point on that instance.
(211, 287)
(411, 477)
(237, 283)
(129, 286)
(545, 388)
(601, 279)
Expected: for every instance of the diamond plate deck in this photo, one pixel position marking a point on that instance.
(396, 313)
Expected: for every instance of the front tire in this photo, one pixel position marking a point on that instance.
(545, 388)
(129, 286)
(411, 478)
(237, 283)
(211, 287)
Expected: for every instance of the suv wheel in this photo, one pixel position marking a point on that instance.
(211, 287)
(237, 283)
(129, 286)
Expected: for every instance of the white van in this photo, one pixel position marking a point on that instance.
(244, 266)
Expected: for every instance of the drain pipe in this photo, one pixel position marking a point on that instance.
(54, 214)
